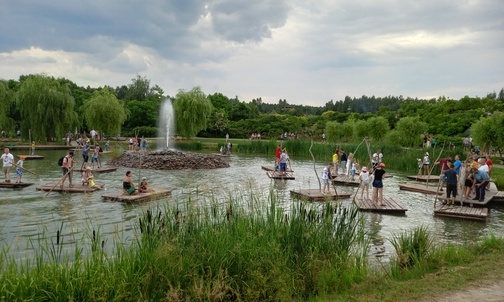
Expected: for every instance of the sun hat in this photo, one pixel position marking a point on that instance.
(364, 169)
(88, 168)
(144, 178)
(325, 168)
(22, 157)
(426, 153)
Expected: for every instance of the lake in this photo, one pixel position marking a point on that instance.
(27, 214)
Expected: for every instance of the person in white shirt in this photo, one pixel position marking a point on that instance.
(8, 162)
(325, 179)
(365, 180)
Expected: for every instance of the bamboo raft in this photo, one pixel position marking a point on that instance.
(140, 197)
(317, 195)
(100, 170)
(278, 175)
(420, 188)
(462, 212)
(346, 180)
(431, 178)
(77, 187)
(15, 185)
(30, 157)
(265, 168)
(391, 206)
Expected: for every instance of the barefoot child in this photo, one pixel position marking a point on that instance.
(19, 168)
(143, 188)
(325, 179)
(365, 180)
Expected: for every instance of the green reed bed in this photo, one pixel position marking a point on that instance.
(247, 250)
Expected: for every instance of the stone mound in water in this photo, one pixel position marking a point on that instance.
(169, 160)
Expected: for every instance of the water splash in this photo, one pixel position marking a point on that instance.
(166, 123)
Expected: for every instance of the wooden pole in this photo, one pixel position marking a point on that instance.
(27, 170)
(66, 174)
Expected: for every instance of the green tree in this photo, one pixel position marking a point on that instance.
(104, 112)
(192, 111)
(378, 127)
(409, 131)
(488, 132)
(6, 99)
(47, 107)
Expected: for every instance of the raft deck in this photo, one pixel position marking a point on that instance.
(31, 157)
(391, 206)
(420, 188)
(462, 212)
(14, 185)
(346, 180)
(278, 175)
(317, 195)
(124, 197)
(424, 178)
(459, 199)
(77, 187)
(265, 168)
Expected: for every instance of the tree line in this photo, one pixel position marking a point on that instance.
(49, 107)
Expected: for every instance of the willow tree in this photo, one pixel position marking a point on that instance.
(488, 132)
(6, 122)
(47, 107)
(104, 112)
(192, 111)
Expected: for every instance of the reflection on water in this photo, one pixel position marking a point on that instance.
(26, 214)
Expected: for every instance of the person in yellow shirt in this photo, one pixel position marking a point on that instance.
(33, 148)
(335, 161)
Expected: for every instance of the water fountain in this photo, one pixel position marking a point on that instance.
(166, 123)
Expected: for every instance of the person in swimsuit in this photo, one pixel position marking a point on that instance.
(128, 185)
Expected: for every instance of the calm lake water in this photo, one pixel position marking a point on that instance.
(27, 214)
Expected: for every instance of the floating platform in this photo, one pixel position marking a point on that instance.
(489, 196)
(462, 212)
(266, 168)
(420, 188)
(77, 187)
(346, 180)
(278, 175)
(14, 185)
(317, 195)
(123, 197)
(499, 196)
(31, 157)
(424, 178)
(391, 206)
(99, 170)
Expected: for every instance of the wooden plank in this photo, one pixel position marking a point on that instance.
(31, 157)
(140, 197)
(420, 188)
(266, 168)
(317, 195)
(346, 180)
(489, 197)
(391, 206)
(279, 175)
(463, 212)
(222, 155)
(100, 170)
(15, 185)
(77, 188)
(424, 178)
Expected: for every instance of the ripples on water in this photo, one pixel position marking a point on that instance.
(27, 214)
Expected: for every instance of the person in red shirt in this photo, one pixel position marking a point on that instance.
(444, 165)
(490, 168)
(278, 151)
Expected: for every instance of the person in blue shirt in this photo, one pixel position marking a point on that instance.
(451, 184)
(458, 164)
(481, 180)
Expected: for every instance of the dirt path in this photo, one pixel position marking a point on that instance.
(486, 292)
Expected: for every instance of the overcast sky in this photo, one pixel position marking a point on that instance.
(307, 52)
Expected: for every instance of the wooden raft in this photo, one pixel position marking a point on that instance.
(14, 185)
(346, 180)
(489, 196)
(391, 206)
(432, 178)
(31, 157)
(499, 196)
(278, 175)
(420, 188)
(99, 170)
(222, 155)
(317, 195)
(77, 187)
(462, 212)
(124, 197)
(265, 168)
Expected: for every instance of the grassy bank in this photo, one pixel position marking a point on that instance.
(245, 249)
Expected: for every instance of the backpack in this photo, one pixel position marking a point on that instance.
(60, 161)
